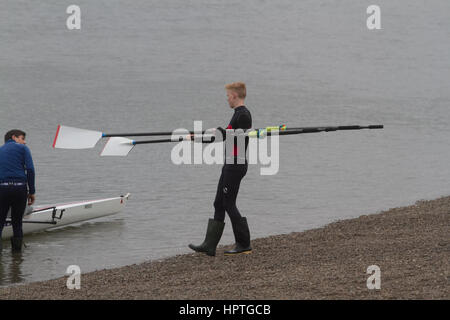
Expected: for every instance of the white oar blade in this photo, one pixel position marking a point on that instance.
(75, 138)
(117, 146)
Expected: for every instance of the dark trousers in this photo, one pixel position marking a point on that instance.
(14, 197)
(227, 191)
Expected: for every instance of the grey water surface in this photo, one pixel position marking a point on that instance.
(159, 65)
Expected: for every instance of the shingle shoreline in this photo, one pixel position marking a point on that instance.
(410, 245)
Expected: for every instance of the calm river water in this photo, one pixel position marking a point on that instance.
(160, 65)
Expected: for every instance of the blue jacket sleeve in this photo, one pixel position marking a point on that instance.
(29, 166)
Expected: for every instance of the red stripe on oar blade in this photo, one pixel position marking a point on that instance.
(56, 135)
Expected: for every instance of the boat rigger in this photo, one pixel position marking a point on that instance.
(49, 217)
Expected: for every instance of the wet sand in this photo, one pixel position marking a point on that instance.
(410, 245)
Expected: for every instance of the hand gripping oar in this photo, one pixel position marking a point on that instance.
(119, 146)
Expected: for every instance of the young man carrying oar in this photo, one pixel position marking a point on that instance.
(229, 182)
(16, 172)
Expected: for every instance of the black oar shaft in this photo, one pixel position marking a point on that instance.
(32, 221)
(303, 129)
(145, 134)
(290, 131)
(157, 141)
(335, 128)
(323, 129)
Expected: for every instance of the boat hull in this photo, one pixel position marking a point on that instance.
(47, 218)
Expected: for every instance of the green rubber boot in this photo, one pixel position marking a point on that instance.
(242, 238)
(213, 235)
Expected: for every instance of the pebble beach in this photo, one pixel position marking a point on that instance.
(410, 246)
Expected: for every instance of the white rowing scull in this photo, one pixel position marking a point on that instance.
(50, 217)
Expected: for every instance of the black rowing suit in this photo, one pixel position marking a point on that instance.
(234, 169)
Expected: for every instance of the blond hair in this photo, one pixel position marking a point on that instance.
(239, 88)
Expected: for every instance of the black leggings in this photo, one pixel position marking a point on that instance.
(227, 191)
(14, 197)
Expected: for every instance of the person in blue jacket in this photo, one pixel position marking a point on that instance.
(17, 177)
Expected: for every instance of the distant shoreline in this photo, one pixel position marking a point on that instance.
(410, 245)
